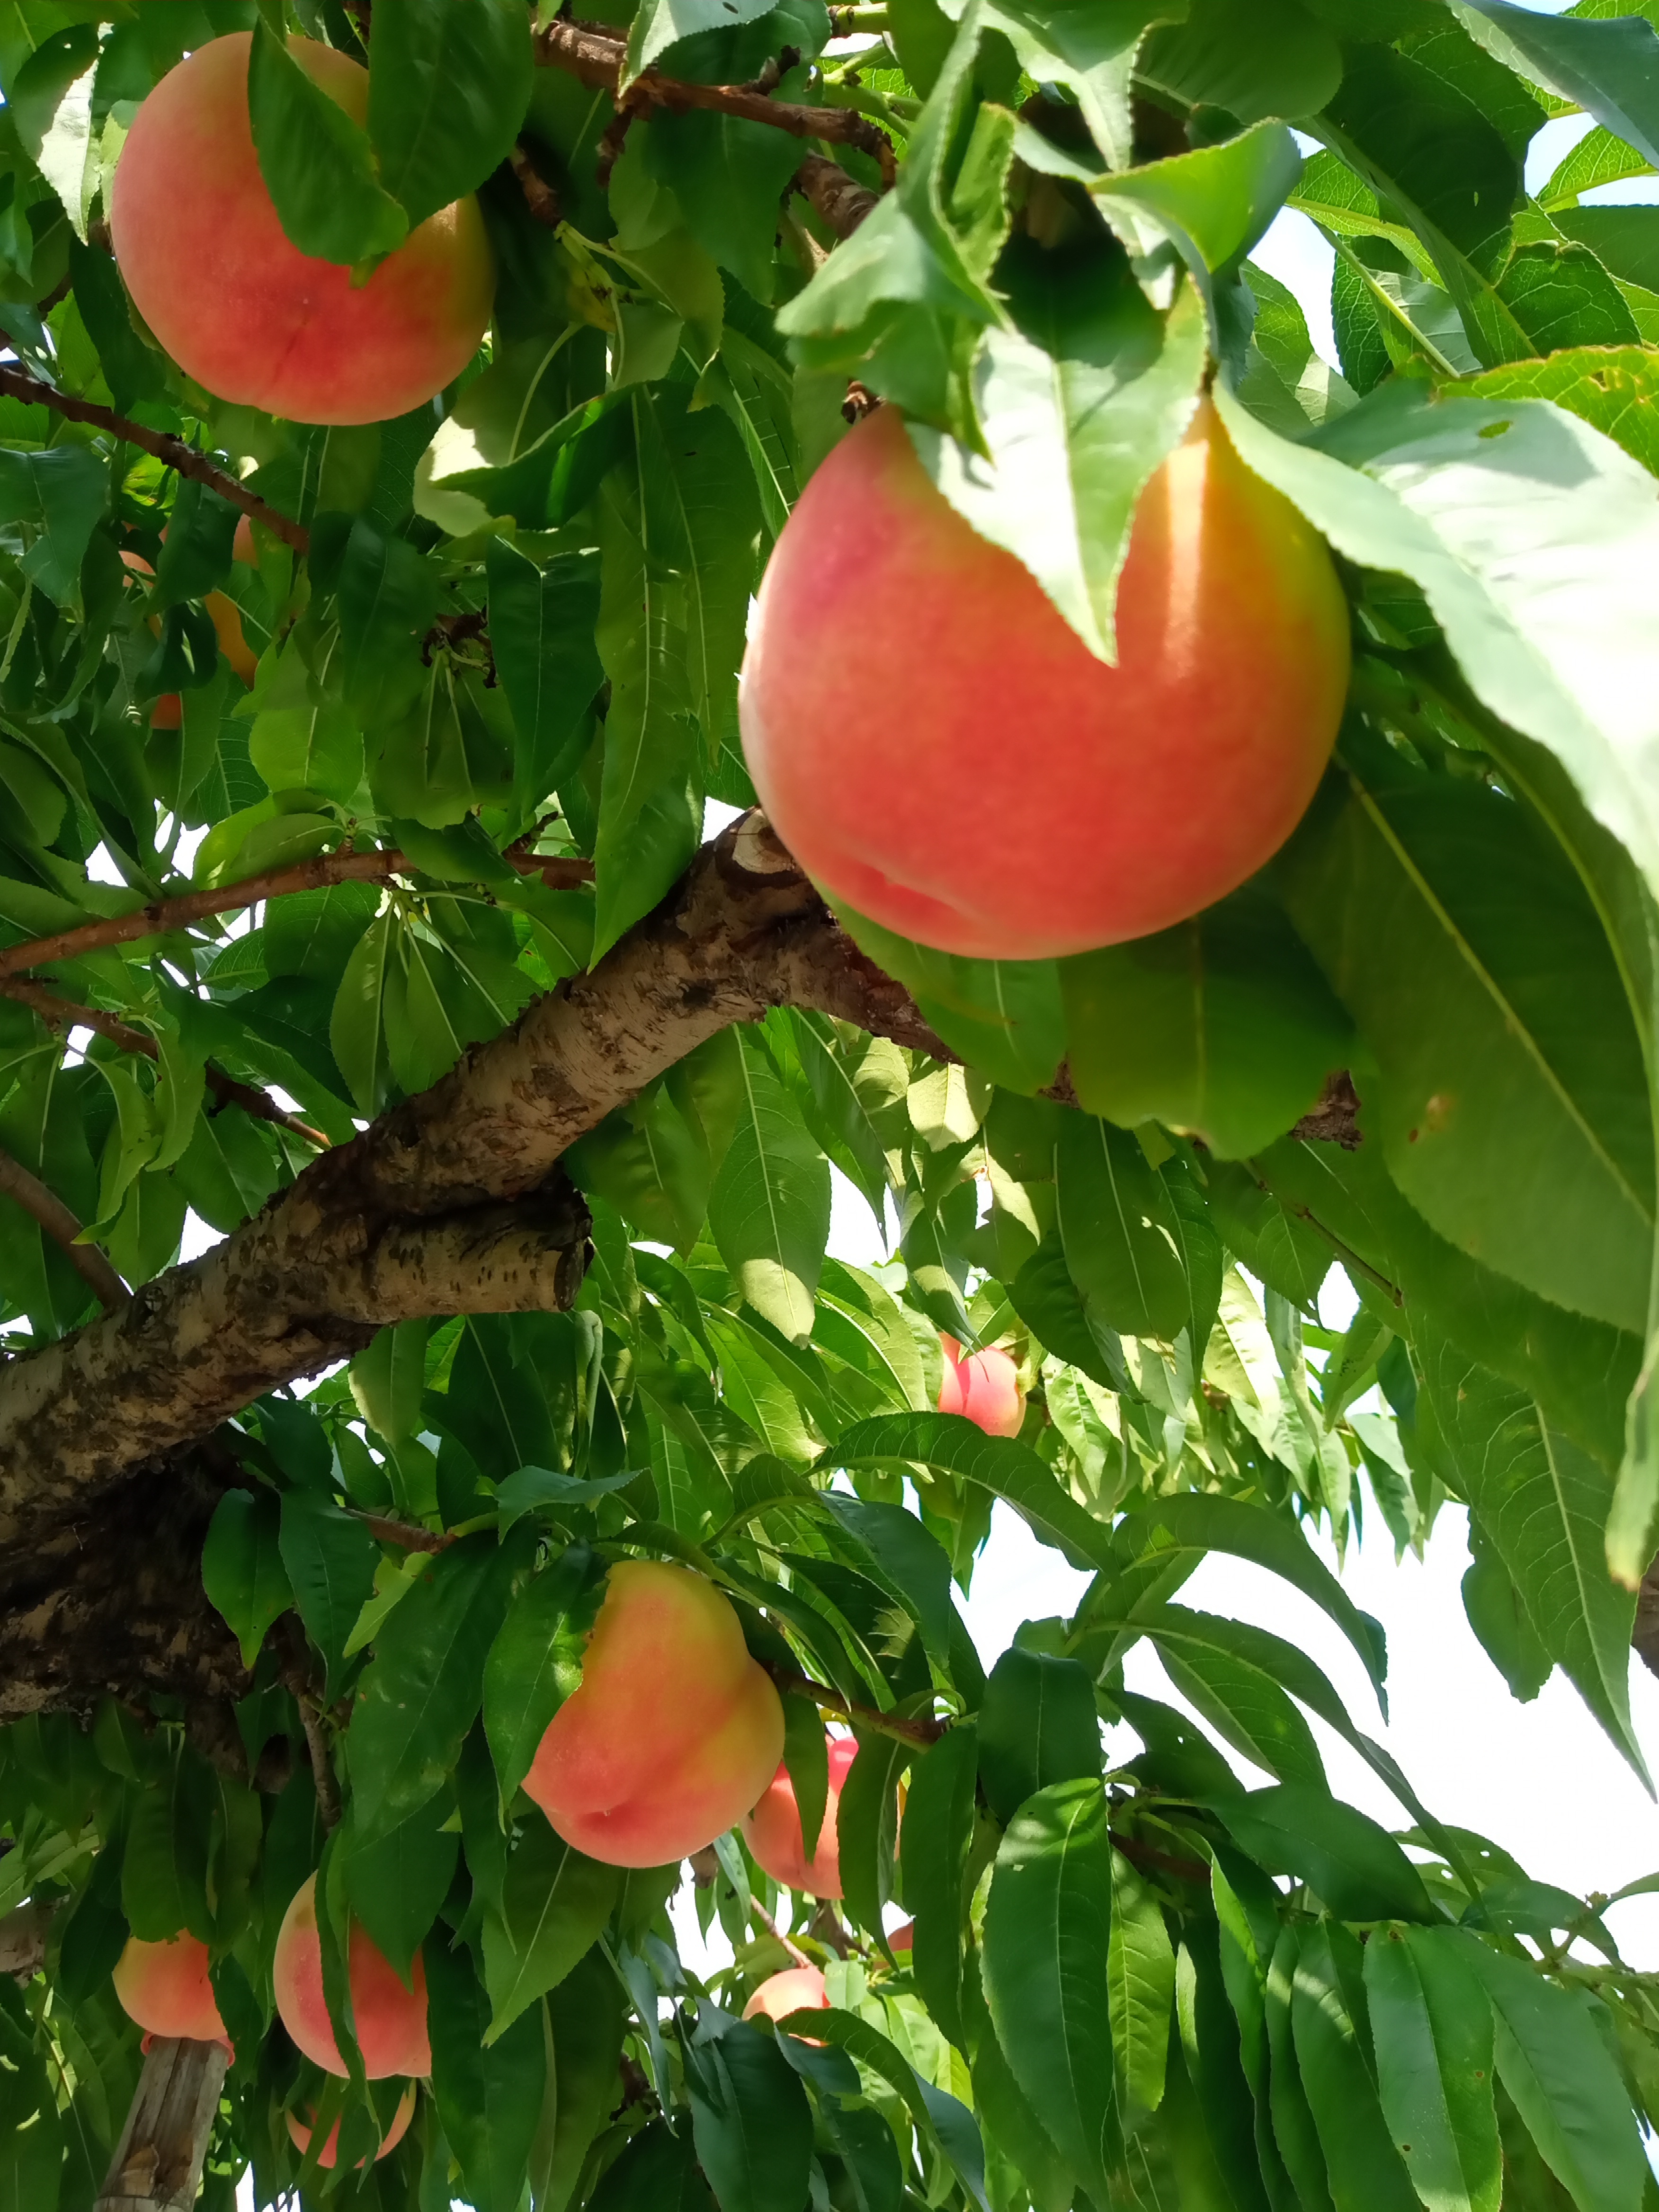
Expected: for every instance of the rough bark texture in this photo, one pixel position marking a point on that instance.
(157, 2166)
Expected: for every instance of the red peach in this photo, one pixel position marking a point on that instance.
(938, 748)
(240, 308)
(984, 1387)
(165, 1987)
(674, 1732)
(389, 2019)
(797, 1989)
(773, 1830)
(394, 2135)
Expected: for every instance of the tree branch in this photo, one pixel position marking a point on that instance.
(29, 1191)
(166, 448)
(157, 2167)
(597, 55)
(67, 1014)
(162, 916)
(919, 1730)
(838, 200)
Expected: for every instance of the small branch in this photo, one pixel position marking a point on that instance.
(166, 448)
(322, 1766)
(163, 915)
(839, 201)
(23, 1940)
(538, 195)
(1148, 1855)
(29, 1191)
(921, 1730)
(759, 1912)
(597, 56)
(404, 1533)
(67, 1014)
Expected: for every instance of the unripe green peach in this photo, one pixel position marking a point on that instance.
(240, 308)
(674, 1732)
(938, 748)
(389, 2019)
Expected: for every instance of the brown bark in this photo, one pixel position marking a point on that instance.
(49, 1210)
(157, 2167)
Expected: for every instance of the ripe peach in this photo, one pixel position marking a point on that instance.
(795, 1989)
(938, 748)
(674, 1732)
(243, 311)
(394, 2134)
(984, 1386)
(165, 1987)
(226, 616)
(390, 2019)
(773, 1830)
(902, 1939)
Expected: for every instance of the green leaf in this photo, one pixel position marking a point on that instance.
(1210, 2048)
(541, 623)
(1611, 69)
(1088, 46)
(1272, 60)
(660, 24)
(1355, 1867)
(939, 2117)
(242, 1569)
(1544, 1503)
(448, 84)
(1038, 1726)
(1140, 1981)
(535, 1662)
(1117, 1223)
(1553, 2061)
(330, 1558)
(1294, 2133)
(651, 798)
(58, 496)
(1366, 2174)
(1228, 1685)
(395, 1883)
(1433, 2032)
(768, 1211)
(357, 1029)
(422, 1691)
(905, 1559)
(489, 2094)
(1213, 203)
(554, 1903)
(1048, 1928)
(1073, 435)
(749, 2119)
(1003, 1016)
(1509, 1055)
(1222, 1027)
(316, 161)
(866, 1828)
(164, 1859)
(938, 1828)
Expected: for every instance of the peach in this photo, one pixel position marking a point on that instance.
(394, 2135)
(984, 1386)
(390, 2019)
(240, 308)
(226, 616)
(938, 748)
(773, 1830)
(165, 1987)
(674, 1732)
(797, 1989)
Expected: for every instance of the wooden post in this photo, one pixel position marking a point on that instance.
(157, 2166)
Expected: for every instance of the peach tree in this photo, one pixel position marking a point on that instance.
(367, 934)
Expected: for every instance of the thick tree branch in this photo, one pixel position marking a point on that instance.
(29, 1191)
(185, 460)
(597, 55)
(67, 1014)
(161, 916)
(157, 2167)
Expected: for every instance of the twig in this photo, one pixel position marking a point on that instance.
(23, 1940)
(759, 1912)
(920, 1730)
(1156, 1861)
(404, 1533)
(538, 195)
(29, 1191)
(322, 1766)
(597, 56)
(67, 1014)
(166, 448)
(838, 200)
(163, 915)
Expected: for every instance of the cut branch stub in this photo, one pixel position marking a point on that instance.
(157, 2167)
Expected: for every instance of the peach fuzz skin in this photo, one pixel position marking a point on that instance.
(243, 311)
(939, 750)
(390, 2019)
(674, 1732)
(325, 2157)
(797, 1989)
(773, 1831)
(164, 1987)
(984, 1387)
